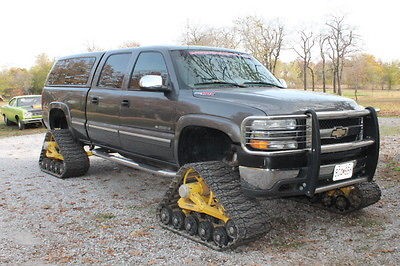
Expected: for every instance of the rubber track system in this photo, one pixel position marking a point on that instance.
(361, 196)
(247, 214)
(75, 163)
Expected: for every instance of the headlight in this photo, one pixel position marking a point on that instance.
(273, 134)
(274, 124)
(28, 115)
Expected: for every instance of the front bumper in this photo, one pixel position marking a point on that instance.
(32, 120)
(309, 170)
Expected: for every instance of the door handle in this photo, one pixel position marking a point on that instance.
(95, 100)
(125, 103)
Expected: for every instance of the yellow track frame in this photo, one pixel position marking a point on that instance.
(52, 150)
(200, 198)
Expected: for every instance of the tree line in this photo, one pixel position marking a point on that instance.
(330, 58)
(18, 81)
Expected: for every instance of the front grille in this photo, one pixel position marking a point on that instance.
(37, 113)
(344, 122)
(352, 125)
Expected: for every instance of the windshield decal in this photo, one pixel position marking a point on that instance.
(218, 53)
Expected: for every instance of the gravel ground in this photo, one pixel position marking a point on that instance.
(108, 217)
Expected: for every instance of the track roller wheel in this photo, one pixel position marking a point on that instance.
(220, 236)
(341, 203)
(206, 230)
(166, 215)
(191, 224)
(178, 219)
(231, 229)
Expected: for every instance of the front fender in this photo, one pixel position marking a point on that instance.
(225, 125)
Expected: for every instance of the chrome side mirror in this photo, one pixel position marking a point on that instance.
(152, 82)
(283, 82)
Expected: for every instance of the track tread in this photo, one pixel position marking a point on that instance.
(369, 193)
(76, 162)
(247, 213)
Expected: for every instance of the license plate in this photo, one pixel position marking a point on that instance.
(343, 171)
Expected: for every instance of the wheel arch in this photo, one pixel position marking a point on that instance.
(218, 125)
(58, 116)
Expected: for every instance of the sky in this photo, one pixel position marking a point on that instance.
(59, 28)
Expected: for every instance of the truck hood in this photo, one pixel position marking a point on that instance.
(274, 101)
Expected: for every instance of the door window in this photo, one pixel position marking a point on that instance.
(148, 63)
(113, 71)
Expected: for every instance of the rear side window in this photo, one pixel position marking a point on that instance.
(148, 63)
(113, 71)
(71, 71)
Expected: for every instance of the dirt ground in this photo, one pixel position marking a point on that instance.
(108, 217)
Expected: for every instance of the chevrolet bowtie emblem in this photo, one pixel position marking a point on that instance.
(339, 132)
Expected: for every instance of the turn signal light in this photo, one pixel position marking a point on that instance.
(259, 144)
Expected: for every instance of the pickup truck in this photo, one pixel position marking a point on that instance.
(220, 125)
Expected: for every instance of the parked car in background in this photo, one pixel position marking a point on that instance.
(23, 110)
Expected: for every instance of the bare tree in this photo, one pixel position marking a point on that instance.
(342, 44)
(129, 44)
(304, 52)
(322, 44)
(210, 36)
(92, 47)
(263, 40)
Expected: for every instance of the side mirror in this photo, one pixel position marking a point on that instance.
(153, 82)
(283, 82)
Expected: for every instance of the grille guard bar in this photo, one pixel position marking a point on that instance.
(370, 140)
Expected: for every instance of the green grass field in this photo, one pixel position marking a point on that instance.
(13, 130)
(387, 101)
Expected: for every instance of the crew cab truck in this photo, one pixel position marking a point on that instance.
(220, 125)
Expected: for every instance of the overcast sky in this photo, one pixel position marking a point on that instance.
(65, 27)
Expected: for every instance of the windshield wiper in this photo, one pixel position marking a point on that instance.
(261, 83)
(221, 82)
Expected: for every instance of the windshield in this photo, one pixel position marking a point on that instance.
(34, 102)
(199, 68)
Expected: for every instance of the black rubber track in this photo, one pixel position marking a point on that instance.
(246, 213)
(76, 162)
(368, 193)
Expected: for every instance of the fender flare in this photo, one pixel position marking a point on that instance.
(63, 107)
(224, 125)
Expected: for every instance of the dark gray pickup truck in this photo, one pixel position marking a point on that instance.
(221, 125)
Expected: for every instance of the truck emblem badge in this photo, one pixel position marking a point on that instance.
(339, 132)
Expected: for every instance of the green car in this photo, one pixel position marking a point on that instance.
(23, 110)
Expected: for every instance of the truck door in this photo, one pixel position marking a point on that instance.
(104, 99)
(147, 119)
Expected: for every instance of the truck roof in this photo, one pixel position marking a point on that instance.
(159, 47)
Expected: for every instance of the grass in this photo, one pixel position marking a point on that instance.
(387, 101)
(11, 131)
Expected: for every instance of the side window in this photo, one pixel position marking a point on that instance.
(71, 71)
(12, 102)
(148, 63)
(113, 71)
